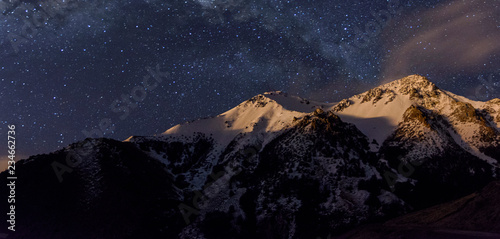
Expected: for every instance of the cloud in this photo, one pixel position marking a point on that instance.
(458, 36)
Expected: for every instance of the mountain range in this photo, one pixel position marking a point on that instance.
(275, 166)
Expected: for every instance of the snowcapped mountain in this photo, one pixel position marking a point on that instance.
(279, 166)
(379, 111)
(266, 113)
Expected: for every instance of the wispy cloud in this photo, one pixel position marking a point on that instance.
(458, 36)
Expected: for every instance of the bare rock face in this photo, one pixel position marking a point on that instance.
(414, 113)
(374, 94)
(259, 101)
(465, 112)
(419, 86)
(342, 105)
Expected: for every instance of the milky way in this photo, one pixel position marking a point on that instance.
(75, 69)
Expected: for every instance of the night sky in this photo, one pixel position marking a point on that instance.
(71, 67)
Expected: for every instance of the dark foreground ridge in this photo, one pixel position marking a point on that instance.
(474, 216)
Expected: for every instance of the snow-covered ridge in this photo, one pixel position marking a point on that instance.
(268, 112)
(377, 113)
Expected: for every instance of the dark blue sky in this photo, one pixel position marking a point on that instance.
(73, 67)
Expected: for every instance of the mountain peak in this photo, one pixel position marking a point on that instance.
(415, 78)
(416, 82)
(276, 92)
(378, 111)
(287, 102)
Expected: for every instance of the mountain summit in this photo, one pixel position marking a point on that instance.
(275, 166)
(379, 111)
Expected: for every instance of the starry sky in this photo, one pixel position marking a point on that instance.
(71, 69)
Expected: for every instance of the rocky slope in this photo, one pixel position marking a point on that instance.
(473, 216)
